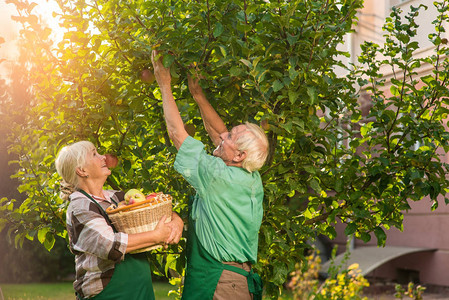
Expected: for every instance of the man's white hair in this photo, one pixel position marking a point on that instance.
(255, 143)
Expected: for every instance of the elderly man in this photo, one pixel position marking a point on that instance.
(226, 213)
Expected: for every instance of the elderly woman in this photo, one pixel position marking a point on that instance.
(104, 267)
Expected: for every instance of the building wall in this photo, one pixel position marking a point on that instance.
(422, 227)
(372, 18)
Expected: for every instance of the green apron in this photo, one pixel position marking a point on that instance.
(131, 278)
(203, 271)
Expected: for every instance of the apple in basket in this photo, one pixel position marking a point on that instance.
(151, 196)
(133, 196)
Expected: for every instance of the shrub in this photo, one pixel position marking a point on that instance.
(344, 284)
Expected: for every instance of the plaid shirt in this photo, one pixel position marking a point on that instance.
(96, 247)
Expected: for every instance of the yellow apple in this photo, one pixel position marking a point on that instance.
(134, 196)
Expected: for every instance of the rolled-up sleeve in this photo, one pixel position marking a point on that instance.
(90, 233)
(195, 165)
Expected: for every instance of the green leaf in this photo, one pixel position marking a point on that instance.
(49, 241)
(331, 232)
(308, 214)
(222, 50)
(366, 237)
(292, 73)
(355, 196)
(235, 71)
(350, 229)
(416, 174)
(339, 185)
(366, 129)
(315, 185)
(428, 79)
(292, 39)
(311, 91)
(277, 85)
(280, 272)
(168, 60)
(218, 29)
(42, 233)
(246, 63)
(394, 90)
(293, 96)
(310, 169)
(170, 264)
(380, 235)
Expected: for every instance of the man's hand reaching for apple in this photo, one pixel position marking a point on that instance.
(161, 73)
(194, 87)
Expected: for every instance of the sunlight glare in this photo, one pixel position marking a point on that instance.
(9, 31)
(45, 9)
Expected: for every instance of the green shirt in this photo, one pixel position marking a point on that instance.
(227, 208)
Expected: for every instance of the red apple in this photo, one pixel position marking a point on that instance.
(111, 161)
(147, 76)
(149, 196)
(265, 125)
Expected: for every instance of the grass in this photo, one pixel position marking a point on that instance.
(62, 291)
(38, 291)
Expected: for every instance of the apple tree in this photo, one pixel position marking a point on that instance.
(269, 62)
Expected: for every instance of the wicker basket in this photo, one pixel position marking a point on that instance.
(142, 216)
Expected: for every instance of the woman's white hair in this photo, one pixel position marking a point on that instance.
(255, 143)
(70, 158)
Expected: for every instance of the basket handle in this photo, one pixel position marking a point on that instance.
(110, 210)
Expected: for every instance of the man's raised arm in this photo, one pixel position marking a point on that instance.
(212, 122)
(175, 126)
